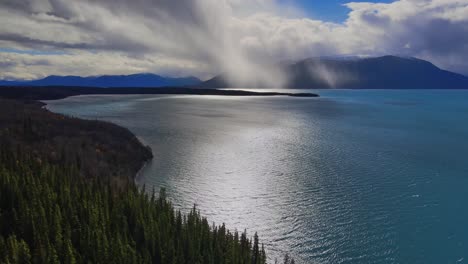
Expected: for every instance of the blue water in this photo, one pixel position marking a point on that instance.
(350, 177)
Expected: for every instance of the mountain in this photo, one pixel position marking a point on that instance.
(134, 80)
(387, 72)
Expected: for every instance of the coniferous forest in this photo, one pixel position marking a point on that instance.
(49, 214)
(65, 197)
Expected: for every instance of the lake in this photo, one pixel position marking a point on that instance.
(355, 176)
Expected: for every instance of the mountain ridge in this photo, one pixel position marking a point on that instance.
(385, 72)
(131, 80)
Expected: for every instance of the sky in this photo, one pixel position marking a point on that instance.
(326, 10)
(202, 38)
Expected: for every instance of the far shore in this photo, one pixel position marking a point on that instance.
(60, 92)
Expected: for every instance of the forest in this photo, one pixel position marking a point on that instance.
(55, 207)
(51, 214)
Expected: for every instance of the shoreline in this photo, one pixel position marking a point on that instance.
(40, 96)
(61, 92)
(43, 105)
(139, 172)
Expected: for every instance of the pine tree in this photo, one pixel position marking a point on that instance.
(67, 254)
(256, 252)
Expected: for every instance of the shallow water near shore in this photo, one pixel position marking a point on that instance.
(355, 176)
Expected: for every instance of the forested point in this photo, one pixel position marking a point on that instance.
(57, 208)
(95, 148)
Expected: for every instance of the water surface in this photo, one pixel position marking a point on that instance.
(351, 177)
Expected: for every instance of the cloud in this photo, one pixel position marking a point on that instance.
(32, 66)
(436, 30)
(206, 37)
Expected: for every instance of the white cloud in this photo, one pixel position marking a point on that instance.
(29, 66)
(205, 37)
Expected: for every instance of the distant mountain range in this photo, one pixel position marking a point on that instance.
(134, 80)
(387, 72)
